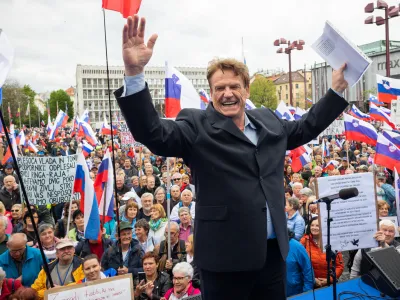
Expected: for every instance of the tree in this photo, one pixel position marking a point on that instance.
(64, 103)
(35, 115)
(263, 92)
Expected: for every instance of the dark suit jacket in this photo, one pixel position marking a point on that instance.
(233, 177)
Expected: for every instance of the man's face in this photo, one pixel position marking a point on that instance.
(126, 237)
(389, 232)
(135, 181)
(91, 269)
(9, 182)
(186, 197)
(228, 93)
(127, 164)
(147, 202)
(65, 254)
(17, 249)
(318, 172)
(15, 212)
(120, 182)
(174, 234)
(9, 171)
(175, 193)
(151, 182)
(148, 169)
(177, 180)
(296, 190)
(164, 178)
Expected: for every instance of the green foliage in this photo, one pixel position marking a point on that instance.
(263, 92)
(61, 98)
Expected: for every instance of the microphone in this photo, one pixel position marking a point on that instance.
(343, 194)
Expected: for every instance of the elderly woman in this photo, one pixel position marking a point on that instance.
(160, 197)
(16, 215)
(8, 285)
(385, 237)
(299, 273)
(46, 234)
(77, 233)
(130, 214)
(311, 241)
(182, 281)
(304, 194)
(295, 221)
(158, 223)
(383, 208)
(62, 224)
(156, 283)
(186, 225)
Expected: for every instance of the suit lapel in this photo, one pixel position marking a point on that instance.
(263, 131)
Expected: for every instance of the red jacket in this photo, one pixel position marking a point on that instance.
(9, 287)
(191, 291)
(318, 258)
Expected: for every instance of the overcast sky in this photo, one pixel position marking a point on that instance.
(51, 37)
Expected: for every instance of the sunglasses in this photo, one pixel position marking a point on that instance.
(176, 179)
(15, 210)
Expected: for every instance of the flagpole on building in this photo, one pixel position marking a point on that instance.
(112, 141)
(25, 197)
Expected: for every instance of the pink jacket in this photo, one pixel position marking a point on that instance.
(191, 291)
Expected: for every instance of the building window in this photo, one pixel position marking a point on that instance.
(286, 87)
(280, 88)
(287, 96)
(297, 85)
(297, 96)
(309, 86)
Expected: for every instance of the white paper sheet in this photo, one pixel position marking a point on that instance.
(336, 50)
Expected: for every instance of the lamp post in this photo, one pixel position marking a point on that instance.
(291, 46)
(390, 13)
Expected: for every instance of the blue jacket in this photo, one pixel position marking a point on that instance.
(296, 225)
(299, 272)
(30, 268)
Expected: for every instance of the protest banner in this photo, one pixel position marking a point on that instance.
(48, 180)
(116, 288)
(127, 139)
(337, 127)
(355, 220)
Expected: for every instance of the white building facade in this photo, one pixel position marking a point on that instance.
(92, 89)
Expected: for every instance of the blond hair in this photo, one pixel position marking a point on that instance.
(160, 209)
(238, 68)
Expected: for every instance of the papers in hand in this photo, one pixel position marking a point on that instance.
(336, 50)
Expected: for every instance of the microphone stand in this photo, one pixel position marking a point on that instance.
(330, 255)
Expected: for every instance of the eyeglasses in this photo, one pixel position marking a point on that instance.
(178, 278)
(176, 179)
(15, 210)
(17, 250)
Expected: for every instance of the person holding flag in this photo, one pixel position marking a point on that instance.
(242, 148)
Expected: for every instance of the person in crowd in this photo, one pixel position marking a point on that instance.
(383, 209)
(182, 281)
(9, 193)
(77, 234)
(295, 221)
(132, 253)
(164, 178)
(189, 247)
(7, 285)
(143, 181)
(385, 192)
(186, 201)
(296, 177)
(186, 181)
(48, 240)
(156, 283)
(288, 172)
(312, 209)
(8, 171)
(135, 184)
(24, 293)
(296, 187)
(64, 270)
(158, 223)
(178, 253)
(3, 235)
(299, 272)
(122, 188)
(175, 195)
(385, 237)
(186, 225)
(130, 215)
(7, 215)
(62, 224)
(28, 228)
(142, 229)
(86, 247)
(21, 261)
(177, 180)
(304, 194)
(129, 170)
(288, 192)
(16, 215)
(150, 186)
(147, 203)
(149, 169)
(160, 197)
(311, 241)
(92, 269)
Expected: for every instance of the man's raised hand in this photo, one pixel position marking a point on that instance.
(135, 52)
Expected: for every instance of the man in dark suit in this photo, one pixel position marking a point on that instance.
(237, 161)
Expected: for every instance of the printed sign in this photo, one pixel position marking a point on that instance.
(48, 180)
(116, 288)
(354, 220)
(126, 136)
(337, 127)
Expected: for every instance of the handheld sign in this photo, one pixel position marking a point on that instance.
(115, 288)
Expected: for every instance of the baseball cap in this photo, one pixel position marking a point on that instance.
(64, 243)
(381, 175)
(129, 195)
(124, 225)
(363, 167)
(9, 166)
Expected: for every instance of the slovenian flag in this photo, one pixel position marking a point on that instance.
(61, 121)
(86, 148)
(359, 130)
(104, 187)
(179, 93)
(249, 105)
(374, 100)
(388, 88)
(21, 140)
(378, 114)
(84, 186)
(106, 128)
(331, 165)
(393, 137)
(85, 116)
(299, 113)
(325, 149)
(205, 99)
(88, 133)
(32, 147)
(291, 109)
(355, 112)
(283, 112)
(387, 154)
(300, 157)
(8, 157)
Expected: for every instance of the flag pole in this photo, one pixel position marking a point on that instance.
(28, 205)
(112, 142)
(30, 124)
(19, 113)
(169, 207)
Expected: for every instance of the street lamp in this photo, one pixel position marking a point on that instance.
(390, 13)
(298, 45)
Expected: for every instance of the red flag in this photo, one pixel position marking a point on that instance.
(125, 7)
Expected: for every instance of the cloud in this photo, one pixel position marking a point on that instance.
(52, 37)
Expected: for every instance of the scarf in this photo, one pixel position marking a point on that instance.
(156, 225)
